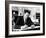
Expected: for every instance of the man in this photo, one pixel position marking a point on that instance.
(27, 21)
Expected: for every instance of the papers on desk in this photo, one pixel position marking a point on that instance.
(26, 27)
(31, 27)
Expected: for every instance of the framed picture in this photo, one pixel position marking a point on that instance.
(24, 18)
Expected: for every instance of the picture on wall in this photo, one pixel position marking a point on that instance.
(25, 18)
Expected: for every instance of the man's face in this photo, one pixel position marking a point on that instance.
(26, 15)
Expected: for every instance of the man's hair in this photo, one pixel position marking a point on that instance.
(27, 11)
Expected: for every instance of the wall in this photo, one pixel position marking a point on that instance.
(2, 19)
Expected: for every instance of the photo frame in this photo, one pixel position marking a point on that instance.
(15, 11)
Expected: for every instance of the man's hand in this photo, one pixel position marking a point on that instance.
(24, 27)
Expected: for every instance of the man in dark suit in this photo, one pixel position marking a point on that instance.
(22, 20)
(27, 20)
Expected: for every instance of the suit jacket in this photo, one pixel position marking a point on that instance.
(19, 21)
(29, 22)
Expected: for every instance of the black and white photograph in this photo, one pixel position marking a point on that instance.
(25, 18)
